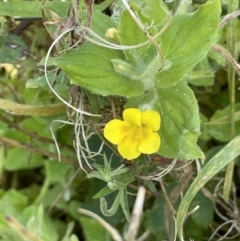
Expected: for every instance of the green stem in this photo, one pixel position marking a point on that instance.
(231, 46)
(43, 191)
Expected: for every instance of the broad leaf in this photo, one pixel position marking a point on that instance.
(187, 40)
(204, 215)
(131, 34)
(26, 9)
(180, 122)
(89, 66)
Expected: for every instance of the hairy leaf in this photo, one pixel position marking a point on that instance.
(187, 40)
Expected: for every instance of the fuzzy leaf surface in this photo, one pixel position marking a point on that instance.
(187, 41)
(180, 121)
(90, 68)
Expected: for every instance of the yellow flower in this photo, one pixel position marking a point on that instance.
(136, 134)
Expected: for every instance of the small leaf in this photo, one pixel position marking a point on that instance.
(18, 159)
(111, 211)
(202, 75)
(124, 203)
(105, 191)
(12, 49)
(155, 12)
(204, 132)
(59, 8)
(12, 202)
(222, 131)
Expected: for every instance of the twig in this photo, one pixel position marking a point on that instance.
(30, 148)
(29, 133)
(114, 233)
(136, 215)
(64, 189)
(31, 110)
(166, 197)
(228, 17)
(227, 56)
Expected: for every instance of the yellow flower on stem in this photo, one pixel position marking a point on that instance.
(136, 134)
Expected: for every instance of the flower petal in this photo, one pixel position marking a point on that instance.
(128, 147)
(115, 131)
(150, 142)
(132, 116)
(151, 119)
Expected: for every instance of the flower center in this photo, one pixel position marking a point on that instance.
(137, 133)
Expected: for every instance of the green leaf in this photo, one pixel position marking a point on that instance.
(101, 23)
(73, 237)
(203, 74)
(18, 159)
(217, 163)
(26, 9)
(193, 231)
(187, 41)
(70, 227)
(59, 8)
(131, 34)
(12, 49)
(141, 64)
(61, 86)
(39, 223)
(90, 67)
(111, 211)
(180, 122)
(222, 130)
(93, 230)
(105, 191)
(155, 219)
(225, 119)
(180, 126)
(204, 215)
(58, 172)
(12, 202)
(103, 5)
(55, 15)
(204, 133)
(124, 203)
(155, 13)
